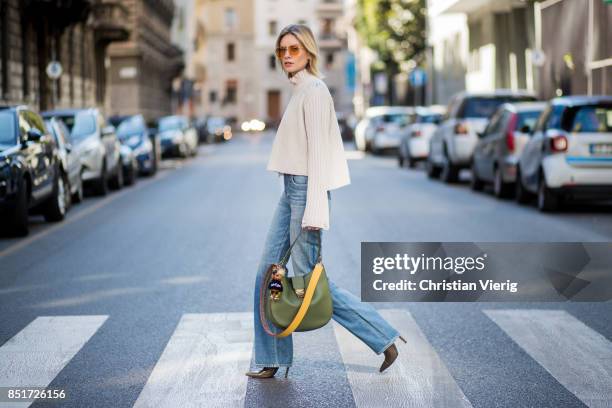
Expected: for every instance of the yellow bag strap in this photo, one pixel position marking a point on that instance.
(299, 316)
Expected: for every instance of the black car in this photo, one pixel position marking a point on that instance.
(31, 177)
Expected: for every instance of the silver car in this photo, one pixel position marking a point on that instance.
(414, 145)
(497, 152)
(97, 145)
(453, 142)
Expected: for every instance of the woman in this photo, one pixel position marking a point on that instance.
(308, 153)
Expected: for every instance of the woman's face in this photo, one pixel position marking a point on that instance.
(292, 62)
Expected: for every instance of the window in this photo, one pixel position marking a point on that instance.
(231, 52)
(272, 27)
(272, 62)
(230, 18)
(326, 30)
(212, 96)
(231, 91)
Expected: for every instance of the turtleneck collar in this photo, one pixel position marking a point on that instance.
(300, 77)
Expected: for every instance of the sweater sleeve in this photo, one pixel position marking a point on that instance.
(316, 121)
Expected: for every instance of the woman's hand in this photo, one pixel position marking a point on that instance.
(308, 228)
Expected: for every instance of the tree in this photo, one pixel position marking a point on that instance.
(396, 30)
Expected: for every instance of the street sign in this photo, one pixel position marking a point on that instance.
(417, 77)
(54, 70)
(538, 58)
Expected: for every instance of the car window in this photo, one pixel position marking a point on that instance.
(554, 120)
(81, 124)
(589, 119)
(485, 107)
(495, 123)
(170, 123)
(7, 128)
(528, 119)
(133, 125)
(397, 119)
(430, 118)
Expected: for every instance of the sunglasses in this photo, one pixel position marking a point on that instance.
(294, 51)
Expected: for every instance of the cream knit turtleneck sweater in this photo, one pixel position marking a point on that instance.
(308, 143)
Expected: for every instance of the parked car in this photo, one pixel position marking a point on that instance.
(569, 155)
(134, 133)
(390, 127)
(218, 129)
(177, 136)
(97, 145)
(498, 150)
(200, 125)
(31, 176)
(346, 130)
(69, 158)
(129, 165)
(369, 124)
(452, 144)
(414, 146)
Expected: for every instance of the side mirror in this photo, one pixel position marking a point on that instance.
(525, 129)
(33, 135)
(108, 130)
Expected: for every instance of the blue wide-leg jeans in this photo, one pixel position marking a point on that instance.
(361, 319)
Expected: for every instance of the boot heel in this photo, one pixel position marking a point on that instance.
(404, 340)
(286, 372)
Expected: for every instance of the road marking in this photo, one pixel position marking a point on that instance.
(418, 378)
(35, 355)
(94, 207)
(577, 356)
(203, 364)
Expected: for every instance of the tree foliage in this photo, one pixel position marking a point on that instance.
(395, 29)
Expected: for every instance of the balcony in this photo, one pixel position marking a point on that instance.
(110, 21)
(60, 14)
(330, 8)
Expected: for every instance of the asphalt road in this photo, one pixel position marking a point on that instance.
(144, 297)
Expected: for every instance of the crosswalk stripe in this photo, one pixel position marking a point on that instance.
(578, 357)
(35, 355)
(418, 378)
(203, 363)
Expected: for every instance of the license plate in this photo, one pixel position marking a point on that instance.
(601, 149)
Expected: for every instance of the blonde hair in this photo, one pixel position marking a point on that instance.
(307, 41)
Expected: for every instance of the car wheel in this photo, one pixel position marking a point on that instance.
(117, 180)
(433, 172)
(130, 177)
(450, 172)
(101, 183)
(18, 220)
(547, 200)
(521, 194)
(476, 182)
(411, 162)
(500, 188)
(56, 206)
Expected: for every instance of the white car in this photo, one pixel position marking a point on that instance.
(453, 142)
(569, 154)
(414, 145)
(373, 122)
(95, 141)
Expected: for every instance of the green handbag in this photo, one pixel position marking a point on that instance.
(293, 311)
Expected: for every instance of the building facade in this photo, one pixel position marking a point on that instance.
(75, 34)
(142, 68)
(223, 61)
(577, 57)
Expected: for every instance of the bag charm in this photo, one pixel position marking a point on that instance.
(276, 285)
